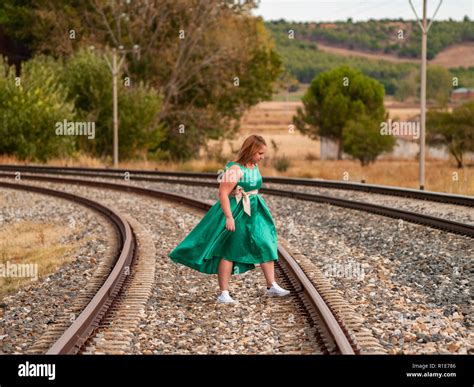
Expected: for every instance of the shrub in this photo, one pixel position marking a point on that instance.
(89, 81)
(363, 140)
(29, 111)
(281, 163)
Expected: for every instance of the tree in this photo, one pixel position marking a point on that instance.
(438, 84)
(408, 86)
(336, 97)
(210, 59)
(89, 83)
(454, 130)
(363, 141)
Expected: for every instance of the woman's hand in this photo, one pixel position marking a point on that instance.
(229, 223)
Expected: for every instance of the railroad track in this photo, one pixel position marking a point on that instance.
(141, 175)
(409, 216)
(88, 320)
(321, 307)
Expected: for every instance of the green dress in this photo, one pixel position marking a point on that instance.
(253, 241)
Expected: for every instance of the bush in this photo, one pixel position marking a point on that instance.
(363, 140)
(30, 110)
(281, 163)
(80, 90)
(310, 156)
(139, 134)
(89, 82)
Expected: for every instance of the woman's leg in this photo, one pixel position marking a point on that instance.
(269, 272)
(224, 273)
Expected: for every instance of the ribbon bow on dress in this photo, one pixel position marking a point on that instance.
(239, 194)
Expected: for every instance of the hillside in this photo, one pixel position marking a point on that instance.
(457, 55)
(304, 57)
(396, 37)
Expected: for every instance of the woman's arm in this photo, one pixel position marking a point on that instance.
(229, 181)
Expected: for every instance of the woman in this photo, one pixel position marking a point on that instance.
(238, 231)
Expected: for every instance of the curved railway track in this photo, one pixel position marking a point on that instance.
(88, 320)
(413, 217)
(142, 175)
(333, 335)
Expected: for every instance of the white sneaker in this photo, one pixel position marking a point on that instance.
(277, 291)
(225, 298)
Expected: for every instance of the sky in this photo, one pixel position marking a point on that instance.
(318, 10)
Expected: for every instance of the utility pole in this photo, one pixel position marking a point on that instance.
(115, 69)
(424, 40)
(115, 72)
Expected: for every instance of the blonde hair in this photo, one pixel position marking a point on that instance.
(252, 144)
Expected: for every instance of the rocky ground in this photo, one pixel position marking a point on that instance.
(26, 314)
(411, 284)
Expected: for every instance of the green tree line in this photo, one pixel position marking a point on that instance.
(398, 37)
(209, 60)
(303, 61)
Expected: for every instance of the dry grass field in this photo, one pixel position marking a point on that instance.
(458, 55)
(25, 243)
